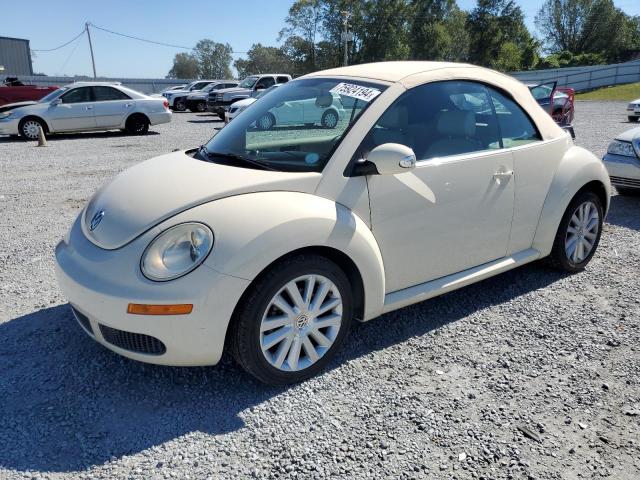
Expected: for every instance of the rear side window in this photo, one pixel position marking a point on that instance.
(282, 79)
(515, 126)
(103, 94)
(77, 95)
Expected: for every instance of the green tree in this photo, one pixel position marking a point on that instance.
(491, 26)
(214, 59)
(185, 66)
(437, 31)
(261, 59)
(301, 32)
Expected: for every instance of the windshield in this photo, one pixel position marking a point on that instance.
(248, 82)
(209, 87)
(53, 95)
(298, 125)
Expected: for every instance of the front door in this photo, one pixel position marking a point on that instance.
(112, 106)
(454, 210)
(75, 112)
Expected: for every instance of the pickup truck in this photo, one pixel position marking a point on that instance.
(219, 101)
(13, 91)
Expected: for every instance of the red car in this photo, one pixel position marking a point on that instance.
(13, 91)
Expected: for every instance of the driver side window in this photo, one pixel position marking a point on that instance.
(265, 82)
(439, 119)
(77, 95)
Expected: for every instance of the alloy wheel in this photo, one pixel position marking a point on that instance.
(301, 323)
(330, 120)
(30, 128)
(582, 232)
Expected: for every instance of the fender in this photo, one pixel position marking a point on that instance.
(266, 226)
(577, 168)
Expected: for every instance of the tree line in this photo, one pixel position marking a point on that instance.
(493, 34)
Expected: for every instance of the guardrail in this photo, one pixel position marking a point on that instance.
(585, 78)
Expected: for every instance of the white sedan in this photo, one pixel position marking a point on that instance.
(86, 106)
(623, 162)
(240, 106)
(326, 110)
(633, 110)
(273, 242)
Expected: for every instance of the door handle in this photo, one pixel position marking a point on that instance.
(89, 107)
(499, 176)
(127, 105)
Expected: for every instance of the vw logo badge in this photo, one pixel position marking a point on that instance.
(95, 221)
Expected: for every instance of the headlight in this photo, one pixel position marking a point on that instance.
(176, 251)
(621, 148)
(6, 114)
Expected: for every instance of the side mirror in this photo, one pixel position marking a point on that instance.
(55, 102)
(392, 158)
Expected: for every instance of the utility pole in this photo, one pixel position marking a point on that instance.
(345, 34)
(93, 61)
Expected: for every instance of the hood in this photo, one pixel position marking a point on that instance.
(143, 196)
(234, 90)
(197, 94)
(244, 102)
(12, 106)
(629, 135)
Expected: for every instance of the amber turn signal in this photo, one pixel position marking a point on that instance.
(143, 309)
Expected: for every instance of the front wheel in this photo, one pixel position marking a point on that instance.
(293, 320)
(180, 105)
(330, 119)
(29, 128)
(201, 107)
(579, 233)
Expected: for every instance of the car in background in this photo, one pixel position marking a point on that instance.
(326, 110)
(623, 162)
(197, 100)
(86, 106)
(251, 86)
(177, 98)
(13, 91)
(241, 105)
(271, 244)
(633, 110)
(175, 87)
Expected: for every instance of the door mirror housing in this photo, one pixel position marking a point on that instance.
(55, 102)
(392, 158)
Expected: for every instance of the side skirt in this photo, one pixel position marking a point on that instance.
(433, 288)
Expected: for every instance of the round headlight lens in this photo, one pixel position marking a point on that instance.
(176, 251)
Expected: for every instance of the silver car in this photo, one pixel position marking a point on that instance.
(86, 106)
(623, 162)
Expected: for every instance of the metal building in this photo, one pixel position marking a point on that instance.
(15, 57)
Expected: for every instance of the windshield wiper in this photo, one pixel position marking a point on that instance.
(241, 158)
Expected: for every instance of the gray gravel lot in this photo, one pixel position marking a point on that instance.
(532, 374)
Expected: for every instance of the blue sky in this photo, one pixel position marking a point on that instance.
(240, 23)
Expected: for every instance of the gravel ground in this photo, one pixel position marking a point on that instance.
(532, 374)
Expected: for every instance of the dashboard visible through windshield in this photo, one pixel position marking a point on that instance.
(297, 126)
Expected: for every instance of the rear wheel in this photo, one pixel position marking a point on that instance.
(329, 119)
(579, 233)
(29, 128)
(200, 107)
(293, 320)
(137, 124)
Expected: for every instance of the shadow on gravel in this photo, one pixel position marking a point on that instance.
(625, 211)
(67, 403)
(76, 136)
(204, 121)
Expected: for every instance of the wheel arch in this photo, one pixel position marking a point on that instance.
(47, 129)
(578, 171)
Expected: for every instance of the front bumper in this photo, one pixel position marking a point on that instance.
(623, 171)
(99, 284)
(9, 126)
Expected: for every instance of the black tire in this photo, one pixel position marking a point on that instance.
(632, 192)
(137, 124)
(180, 104)
(26, 128)
(330, 119)
(244, 334)
(559, 257)
(200, 107)
(632, 119)
(266, 122)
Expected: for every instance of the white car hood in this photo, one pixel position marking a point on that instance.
(244, 102)
(143, 196)
(629, 135)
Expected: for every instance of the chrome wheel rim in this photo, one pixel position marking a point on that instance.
(30, 129)
(301, 323)
(582, 232)
(330, 120)
(266, 123)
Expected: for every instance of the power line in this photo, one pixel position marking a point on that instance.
(145, 39)
(58, 48)
(69, 57)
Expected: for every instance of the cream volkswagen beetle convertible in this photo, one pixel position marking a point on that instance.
(273, 242)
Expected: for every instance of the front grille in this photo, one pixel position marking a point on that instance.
(134, 342)
(625, 182)
(83, 320)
